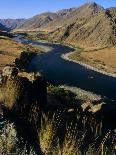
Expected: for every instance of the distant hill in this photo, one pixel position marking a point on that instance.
(42, 20)
(39, 21)
(50, 21)
(98, 30)
(12, 23)
(3, 28)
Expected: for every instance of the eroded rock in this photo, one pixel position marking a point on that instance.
(10, 71)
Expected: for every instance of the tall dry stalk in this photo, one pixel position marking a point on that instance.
(47, 133)
(9, 92)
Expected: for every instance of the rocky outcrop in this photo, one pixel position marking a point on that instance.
(23, 96)
(32, 90)
(26, 97)
(24, 60)
(10, 71)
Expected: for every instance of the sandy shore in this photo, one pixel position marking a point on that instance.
(66, 57)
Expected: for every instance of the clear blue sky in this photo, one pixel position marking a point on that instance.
(29, 8)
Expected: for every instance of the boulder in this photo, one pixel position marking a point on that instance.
(9, 71)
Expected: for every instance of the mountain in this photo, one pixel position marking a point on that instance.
(50, 21)
(87, 25)
(39, 21)
(84, 11)
(42, 20)
(3, 28)
(65, 12)
(12, 23)
(98, 31)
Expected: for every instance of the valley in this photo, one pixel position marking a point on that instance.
(58, 81)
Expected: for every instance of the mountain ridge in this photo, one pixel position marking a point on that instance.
(87, 25)
(12, 23)
(60, 16)
(98, 30)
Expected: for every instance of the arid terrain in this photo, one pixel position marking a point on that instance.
(57, 91)
(90, 27)
(103, 59)
(9, 50)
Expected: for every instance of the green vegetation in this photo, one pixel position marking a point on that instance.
(35, 35)
(62, 94)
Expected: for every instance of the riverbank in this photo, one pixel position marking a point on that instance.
(98, 59)
(87, 66)
(90, 66)
(82, 94)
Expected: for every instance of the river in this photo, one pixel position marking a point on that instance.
(63, 72)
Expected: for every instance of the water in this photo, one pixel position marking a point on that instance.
(59, 71)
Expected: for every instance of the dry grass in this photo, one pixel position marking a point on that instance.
(74, 138)
(9, 93)
(102, 59)
(9, 50)
(48, 131)
(71, 145)
(10, 142)
(7, 139)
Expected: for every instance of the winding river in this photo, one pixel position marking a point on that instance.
(63, 72)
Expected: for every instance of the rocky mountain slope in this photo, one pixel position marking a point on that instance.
(12, 23)
(42, 20)
(84, 11)
(87, 25)
(38, 21)
(96, 30)
(50, 21)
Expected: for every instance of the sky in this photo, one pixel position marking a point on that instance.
(29, 8)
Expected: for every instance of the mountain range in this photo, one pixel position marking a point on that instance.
(12, 23)
(63, 17)
(89, 24)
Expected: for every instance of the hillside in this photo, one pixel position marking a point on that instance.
(3, 28)
(89, 25)
(38, 21)
(43, 20)
(11, 50)
(12, 23)
(83, 11)
(98, 30)
(50, 21)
